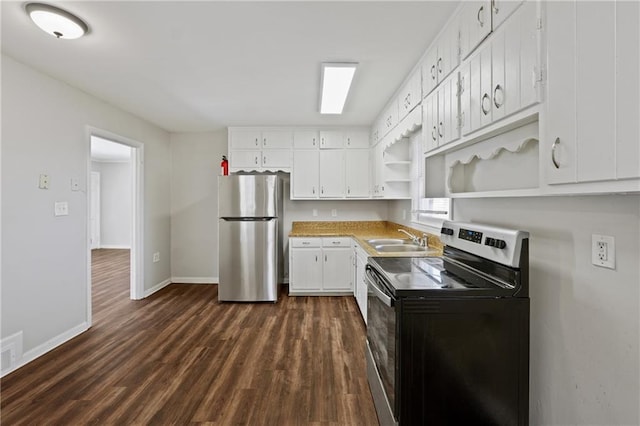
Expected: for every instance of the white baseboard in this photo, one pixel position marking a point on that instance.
(148, 292)
(47, 346)
(114, 246)
(194, 280)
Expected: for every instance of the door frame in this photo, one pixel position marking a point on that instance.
(91, 194)
(136, 285)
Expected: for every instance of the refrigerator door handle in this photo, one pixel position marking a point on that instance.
(248, 219)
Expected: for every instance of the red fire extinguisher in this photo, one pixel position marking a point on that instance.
(224, 166)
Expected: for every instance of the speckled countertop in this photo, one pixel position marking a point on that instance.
(366, 230)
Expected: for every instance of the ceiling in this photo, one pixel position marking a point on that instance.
(203, 65)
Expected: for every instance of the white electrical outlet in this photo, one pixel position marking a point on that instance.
(603, 251)
(314, 212)
(156, 257)
(75, 184)
(334, 212)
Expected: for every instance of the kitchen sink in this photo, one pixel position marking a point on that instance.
(385, 241)
(392, 248)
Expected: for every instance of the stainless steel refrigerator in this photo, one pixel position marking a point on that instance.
(250, 251)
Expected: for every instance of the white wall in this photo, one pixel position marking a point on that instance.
(194, 205)
(44, 258)
(115, 203)
(585, 320)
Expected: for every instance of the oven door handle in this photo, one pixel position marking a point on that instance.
(379, 293)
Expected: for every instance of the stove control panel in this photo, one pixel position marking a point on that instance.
(498, 244)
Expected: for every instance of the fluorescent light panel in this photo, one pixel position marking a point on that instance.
(336, 81)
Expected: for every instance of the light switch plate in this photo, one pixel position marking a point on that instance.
(75, 184)
(61, 208)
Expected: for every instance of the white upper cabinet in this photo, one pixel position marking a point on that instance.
(410, 95)
(389, 119)
(593, 92)
(357, 173)
(305, 174)
(332, 173)
(306, 139)
(259, 149)
(356, 139)
(245, 139)
(475, 25)
(331, 139)
(503, 77)
(441, 115)
(441, 58)
(502, 9)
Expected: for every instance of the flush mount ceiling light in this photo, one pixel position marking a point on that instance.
(55, 21)
(336, 81)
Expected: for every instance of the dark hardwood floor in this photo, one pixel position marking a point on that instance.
(180, 357)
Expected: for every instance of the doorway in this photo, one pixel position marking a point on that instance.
(114, 225)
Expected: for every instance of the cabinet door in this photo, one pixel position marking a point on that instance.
(430, 71)
(277, 139)
(449, 92)
(627, 89)
(475, 25)
(429, 122)
(499, 90)
(356, 139)
(305, 269)
(331, 139)
(337, 269)
(244, 139)
(465, 98)
(332, 173)
(512, 53)
(276, 159)
(486, 103)
(305, 174)
(527, 20)
(248, 160)
(306, 139)
(502, 9)
(448, 51)
(410, 95)
(475, 93)
(357, 173)
(561, 94)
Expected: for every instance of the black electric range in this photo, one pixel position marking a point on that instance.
(448, 338)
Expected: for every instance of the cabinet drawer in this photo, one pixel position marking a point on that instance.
(336, 242)
(305, 242)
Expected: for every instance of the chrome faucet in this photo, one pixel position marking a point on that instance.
(416, 240)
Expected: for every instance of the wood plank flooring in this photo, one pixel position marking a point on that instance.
(180, 357)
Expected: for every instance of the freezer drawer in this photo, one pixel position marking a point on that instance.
(248, 260)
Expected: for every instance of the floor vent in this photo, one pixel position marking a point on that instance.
(10, 352)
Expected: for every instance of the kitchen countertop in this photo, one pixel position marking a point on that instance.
(366, 230)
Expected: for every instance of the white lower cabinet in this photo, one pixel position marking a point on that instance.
(320, 265)
(360, 285)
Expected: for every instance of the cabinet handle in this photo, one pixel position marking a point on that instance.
(495, 7)
(256, 159)
(325, 257)
(485, 110)
(256, 141)
(553, 153)
(316, 257)
(481, 11)
(313, 190)
(322, 141)
(433, 72)
(305, 243)
(440, 132)
(433, 133)
(322, 189)
(314, 141)
(264, 160)
(440, 65)
(264, 141)
(348, 141)
(498, 102)
(335, 242)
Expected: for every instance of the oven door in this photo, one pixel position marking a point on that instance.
(381, 346)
